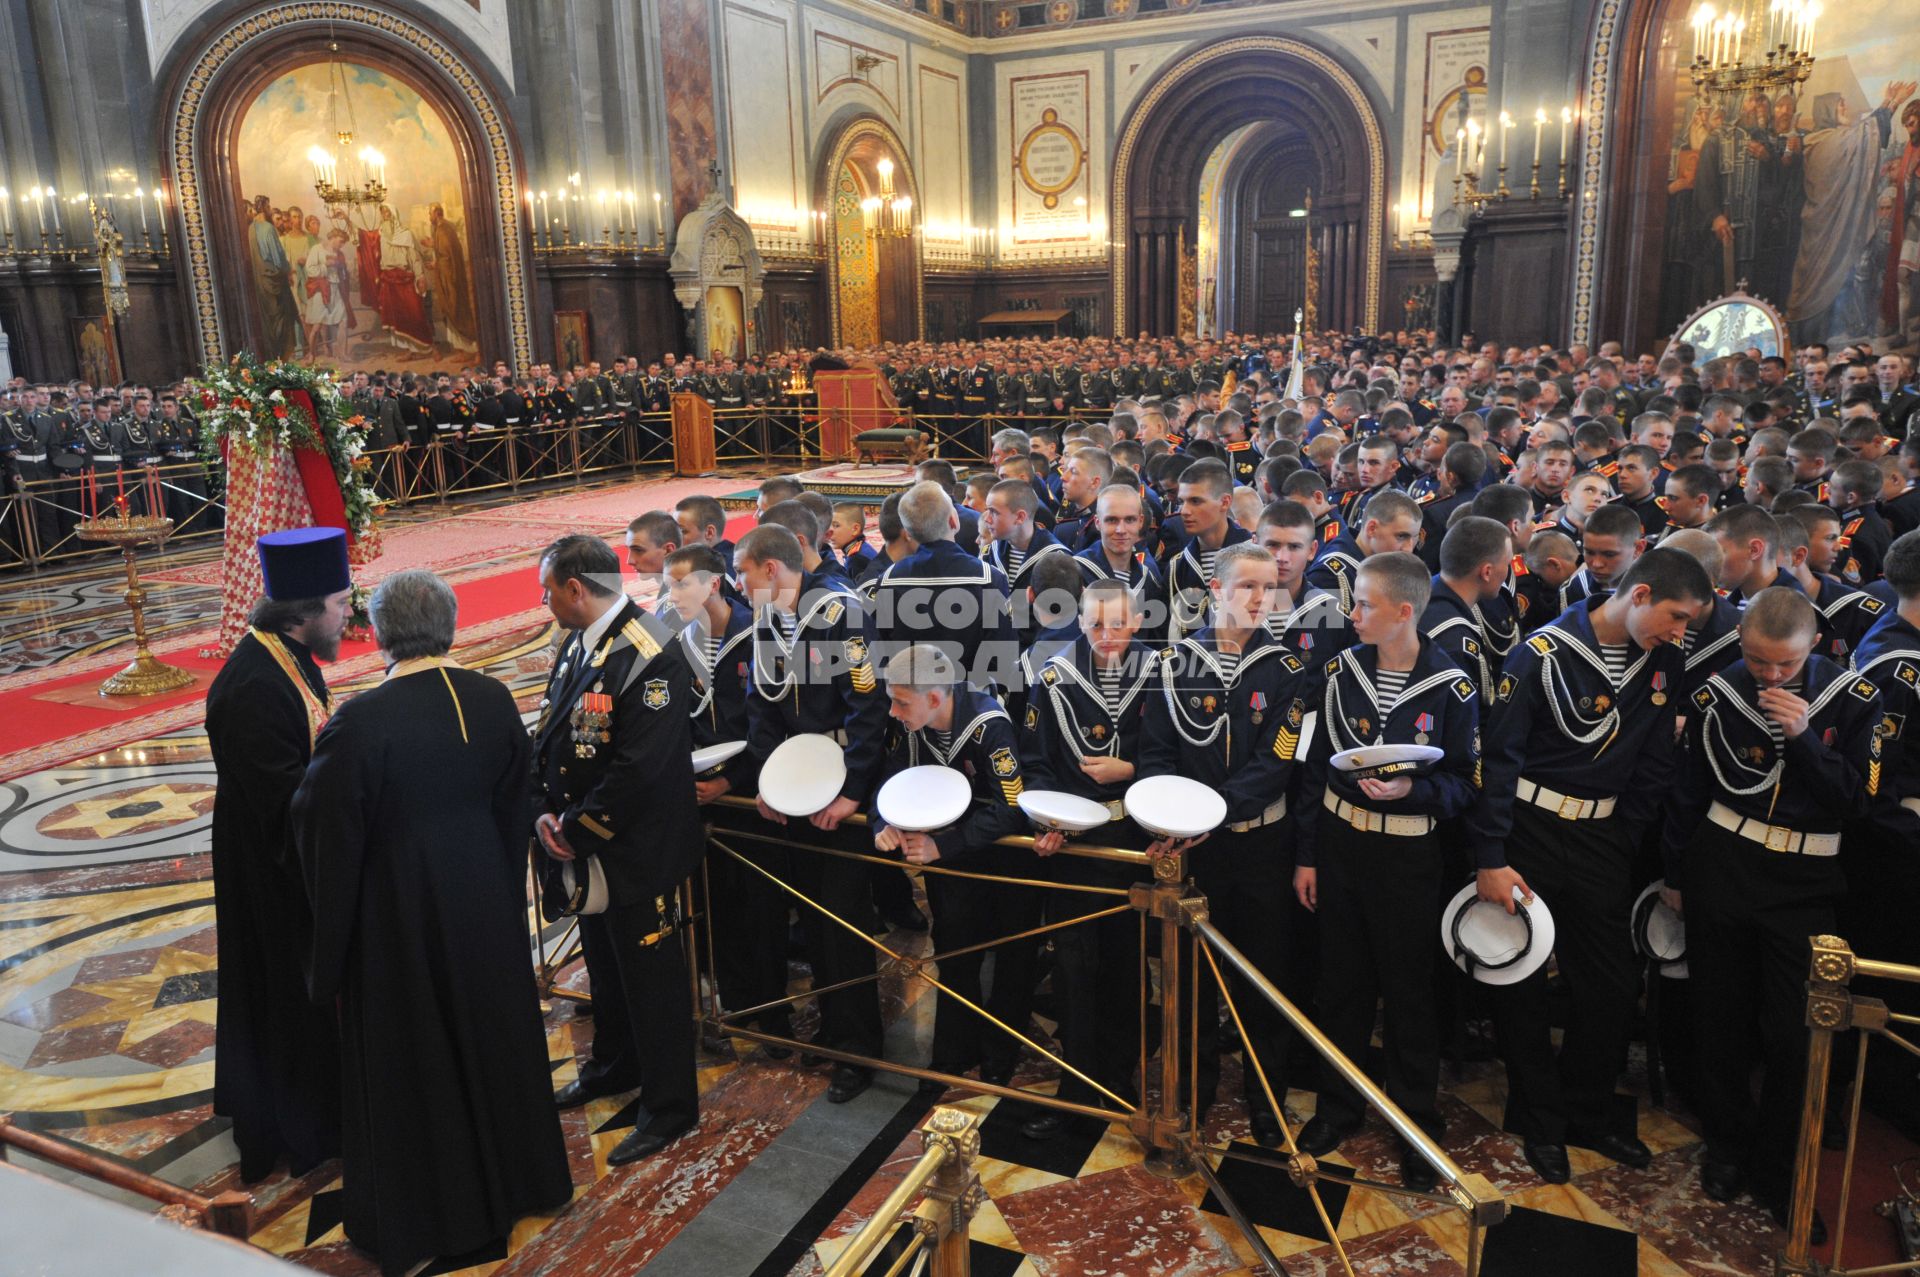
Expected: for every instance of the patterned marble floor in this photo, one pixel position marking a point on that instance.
(108, 973)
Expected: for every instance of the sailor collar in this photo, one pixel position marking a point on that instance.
(923, 738)
(1719, 689)
(1065, 666)
(1428, 673)
(1033, 556)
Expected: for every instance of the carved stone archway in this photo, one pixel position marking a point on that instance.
(713, 248)
(210, 87)
(1175, 126)
(859, 139)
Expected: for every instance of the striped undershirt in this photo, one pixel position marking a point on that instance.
(1387, 686)
(1110, 685)
(1614, 657)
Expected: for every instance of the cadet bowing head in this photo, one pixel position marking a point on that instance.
(1902, 567)
(1777, 632)
(1245, 580)
(920, 684)
(414, 614)
(579, 575)
(1659, 596)
(1550, 556)
(694, 575)
(1389, 593)
(1749, 542)
(1393, 523)
(1613, 540)
(770, 562)
(1110, 616)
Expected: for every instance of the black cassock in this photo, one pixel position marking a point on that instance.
(411, 830)
(276, 1069)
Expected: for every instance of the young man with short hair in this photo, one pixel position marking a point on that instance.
(1749, 540)
(1305, 618)
(1579, 750)
(1392, 523)
(1864, 535)
(1206, 495)
(1786, 749)
(703, 522)
(1474, 559)
(1370, 866)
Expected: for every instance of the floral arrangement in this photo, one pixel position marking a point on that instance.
(248, 404)
(360, 615)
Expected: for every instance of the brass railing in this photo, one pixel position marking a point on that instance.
(1833, 1008)
(229, 1213)
(1164, 1123)
(946, 1174)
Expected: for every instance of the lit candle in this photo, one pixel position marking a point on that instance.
(6, 214)
(1474, 145)
(160, 211)
(1506, 123)
(659, 226)
(139, 197)
(546, 215)
(1539, 127)
(1566, 124)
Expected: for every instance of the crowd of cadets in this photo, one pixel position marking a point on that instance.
(1667, 631)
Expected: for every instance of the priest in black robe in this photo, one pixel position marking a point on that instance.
(411, 830)
(276, 1055)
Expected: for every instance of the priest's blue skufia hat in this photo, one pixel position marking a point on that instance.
(304, 563)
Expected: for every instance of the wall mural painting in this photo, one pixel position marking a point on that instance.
(859, 273)
(1812, 198)
(726, 327)
(361, 286)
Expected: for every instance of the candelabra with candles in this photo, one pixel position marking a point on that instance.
(888, 215)
(50, 226)
(606, 223)
(1470, 152)
(1763, 46)
(146, 674)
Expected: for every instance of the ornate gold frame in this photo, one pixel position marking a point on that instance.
(1049, 124)
(186, 160)
(1376, 216)
(855, 129)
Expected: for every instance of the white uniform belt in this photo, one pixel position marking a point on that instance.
(1272, 814)
(29, 456)
(106, 456)
(1376, 822)
(513, 421)
(1911, 804)
(1774, 837)
(1564, 805)
(838, 735)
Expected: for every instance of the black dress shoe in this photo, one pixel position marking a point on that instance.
(997, 1074)
(774, 1051)
(1043, 1125)
(1267, 1131)
(907, 919)
(1549, 1162)
(1320, 1137)
(576, 1093)
(930, 1088)
(641, 1142)
(849, 1080)
(1720, 1180)
(1416, 1172)
(1624, 1149)
(1817, 1234)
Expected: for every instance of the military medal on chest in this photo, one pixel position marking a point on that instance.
(592, 716)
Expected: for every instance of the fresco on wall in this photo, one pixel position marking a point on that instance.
(355, 286)
(1811, 198)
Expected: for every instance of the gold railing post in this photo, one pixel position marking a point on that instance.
(955, 1194)
(1830, 970)
(1165, 1131)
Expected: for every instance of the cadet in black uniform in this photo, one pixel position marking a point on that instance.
(1786, 748)
(1579, 755)
(1371, 865)
(1473, 560)
(1014, 545)
(1227, 711)
(1082, 735)
(942, 595)
(1206, 497)
(945, 723)
(1307, 619)
(813, 672)
(613, 760)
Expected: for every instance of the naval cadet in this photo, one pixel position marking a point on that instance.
(1307, 620)
(1371, 865)
(613, 762)
(1013, 545)
(1206, 515)
(1579, 750)
(942, 722)
(1081, 734)
(1227, 711)
(1473, 560)
(942, 595)
(1786, 749)
(813, 672)
(1392, 522)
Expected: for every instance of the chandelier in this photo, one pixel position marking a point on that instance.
(341, 180)
(887, 215)
(1752, 45)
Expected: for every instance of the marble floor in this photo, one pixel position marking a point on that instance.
(108, 977)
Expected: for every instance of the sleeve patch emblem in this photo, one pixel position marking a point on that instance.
(856, 649)
(1004, 763)
(1541, 644)
(655, 695)
(833, 612)
(1463, 688)
(1033, 717)
(1865, 690)
(1506, 687)
(1704, 697)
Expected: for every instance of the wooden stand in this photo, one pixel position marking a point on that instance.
(693, 452)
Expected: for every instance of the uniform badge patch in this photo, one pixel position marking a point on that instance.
(1906, 672)
(1703, 698)
(1541, 644)
(1505, 690)
(856, 649)
(1891, 725)
(833, 612)
(1463, 688)
(654, 695)
(1033, 717)
(1004, 763)
(1871, 605)
(1470, 647)
(1865, 690)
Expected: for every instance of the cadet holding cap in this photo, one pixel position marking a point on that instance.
(1579, 751)
(276, 1062)
(948, 725)
(1786, 750)
(1368, 856)
(613, 762)
(1227, 711)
